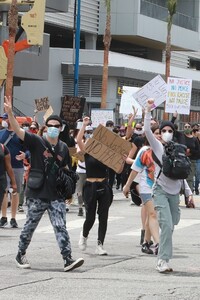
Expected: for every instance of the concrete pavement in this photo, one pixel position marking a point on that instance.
(126, 273)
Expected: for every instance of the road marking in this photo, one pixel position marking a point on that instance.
(75, 224)
(182, 224)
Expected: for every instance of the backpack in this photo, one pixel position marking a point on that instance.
(175, 163)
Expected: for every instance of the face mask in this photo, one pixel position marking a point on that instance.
(44, 134)
(87, 135)
(166, 136)
(4, 124)
(187, 131)
(53, 132)
(138, 132)
(33, 130)
(26, 128)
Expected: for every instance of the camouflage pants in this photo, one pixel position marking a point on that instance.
(57, 215)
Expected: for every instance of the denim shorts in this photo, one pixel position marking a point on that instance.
(145, 197)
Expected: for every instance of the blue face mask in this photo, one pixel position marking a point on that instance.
(53, 132)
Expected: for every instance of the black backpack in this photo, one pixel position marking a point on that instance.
(175, 163)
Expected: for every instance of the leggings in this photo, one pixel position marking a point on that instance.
(98, 197)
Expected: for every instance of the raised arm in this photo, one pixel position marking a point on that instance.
(13, 122)
(79, 138)
(155, 144)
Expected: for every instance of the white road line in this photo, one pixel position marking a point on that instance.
(182, 224)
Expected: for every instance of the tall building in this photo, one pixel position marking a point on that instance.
(137, 53)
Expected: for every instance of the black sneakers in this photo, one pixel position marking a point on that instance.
(80, 212)
(146, 248)
(13, 223)
(3, 222)
(22, 261)
(70, 264)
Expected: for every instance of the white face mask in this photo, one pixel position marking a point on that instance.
(166, 136)
(4, 124)
(138, 132)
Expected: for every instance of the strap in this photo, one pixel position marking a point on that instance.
(9, 138)
(54, 153)
(81, 167)
(158, 163)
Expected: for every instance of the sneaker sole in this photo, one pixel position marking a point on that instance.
(78, 263)
(4, 225)
(165, 271)
(101, 254)
(27, 266)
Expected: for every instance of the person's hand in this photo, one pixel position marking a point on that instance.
(69, 201)
(191, 202)
(175, 114)
(126, 191)
(8, 104)
(14, 187)
(135, 110)
(20, 156)
(86, 121)
(149, 105)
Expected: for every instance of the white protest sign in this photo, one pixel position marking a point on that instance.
(101, 116)
(127, 102)
(156, 89)
(178, 95)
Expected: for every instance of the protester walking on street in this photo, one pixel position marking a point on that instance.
(165, 191)
(41, 192)
(97, 196)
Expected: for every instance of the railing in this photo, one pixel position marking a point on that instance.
(161, 13)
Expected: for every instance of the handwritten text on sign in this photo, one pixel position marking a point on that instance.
(156, 89)
(178, 95)
(42, 104)
(108, 148)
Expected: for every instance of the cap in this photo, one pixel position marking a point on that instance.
(54, 117)
(109, 123)
(89, 128)
(166, 123)
(5, 116)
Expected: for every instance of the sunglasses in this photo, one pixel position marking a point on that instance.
(187, 126)
(138, 128)
(164, 130)
(57, 125)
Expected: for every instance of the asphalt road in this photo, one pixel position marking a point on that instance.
(126, 273)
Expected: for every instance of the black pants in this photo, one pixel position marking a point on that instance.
(97, 193)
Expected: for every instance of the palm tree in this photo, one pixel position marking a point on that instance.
(171, 5)
(13, 23)
(107, 42)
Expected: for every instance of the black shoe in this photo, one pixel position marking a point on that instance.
(146, 249)
(156, 249)
(117, 187)
(13, 223)
(142, 236)
(197, 192)
(22, 261)
(20, 208)
(71, 264)
(80, 212)
(3, 222)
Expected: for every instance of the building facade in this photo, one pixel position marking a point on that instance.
(139, 31)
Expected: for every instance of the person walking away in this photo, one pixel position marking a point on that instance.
(41, 192)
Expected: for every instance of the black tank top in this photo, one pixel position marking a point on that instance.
(94, 168)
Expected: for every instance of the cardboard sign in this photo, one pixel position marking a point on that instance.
(72, 110)
(108, 148)
(156, 89)
(178, 95)
(48, 113)
(42, 104)
(101, 116)
(127, 102)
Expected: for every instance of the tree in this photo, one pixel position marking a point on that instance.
(107, 42)
(171, 5)
(12, 23)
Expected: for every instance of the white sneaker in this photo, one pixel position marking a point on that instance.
(100, 251)
(163, 266)
(82, 242)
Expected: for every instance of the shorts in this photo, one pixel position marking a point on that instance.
(145, 197)
(19, 174)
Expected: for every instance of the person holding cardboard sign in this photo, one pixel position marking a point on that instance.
(97, 195)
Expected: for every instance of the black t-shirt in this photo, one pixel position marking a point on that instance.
(94, 168)
(41, 157)
(3, 152)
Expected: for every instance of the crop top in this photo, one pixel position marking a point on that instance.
(94, 168)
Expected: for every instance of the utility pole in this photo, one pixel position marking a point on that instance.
(12, 25)
(77, 48)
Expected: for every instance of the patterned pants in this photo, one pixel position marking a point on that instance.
(57, 215)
